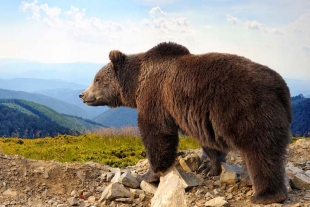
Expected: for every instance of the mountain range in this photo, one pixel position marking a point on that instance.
(53, 103)
(20, 118)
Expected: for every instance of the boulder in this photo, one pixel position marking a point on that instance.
(148, 187)
(170, 192)
(113, 191)
(128, 180)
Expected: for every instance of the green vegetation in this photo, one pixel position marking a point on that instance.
(26, 119)
(116, 151)
(301, 116)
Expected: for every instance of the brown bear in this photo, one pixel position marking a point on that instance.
(222, 100)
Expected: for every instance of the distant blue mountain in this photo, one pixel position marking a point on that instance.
(82, 73)
(35, 84)
(118, 117)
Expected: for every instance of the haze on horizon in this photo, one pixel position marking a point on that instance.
(273, 33)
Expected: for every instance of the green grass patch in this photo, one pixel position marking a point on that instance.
(116, 151)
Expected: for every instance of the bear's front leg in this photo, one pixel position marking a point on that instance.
(161, 143)
(216, 158)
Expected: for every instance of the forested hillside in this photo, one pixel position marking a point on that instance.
(301, 116)
(53, 103)
(20, 118)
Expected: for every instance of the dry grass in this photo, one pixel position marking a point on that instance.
(123, 131)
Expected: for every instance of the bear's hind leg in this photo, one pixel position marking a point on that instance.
(266, 169)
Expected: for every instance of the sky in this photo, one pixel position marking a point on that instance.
(275, 33)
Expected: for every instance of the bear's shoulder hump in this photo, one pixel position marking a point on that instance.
(168, 49)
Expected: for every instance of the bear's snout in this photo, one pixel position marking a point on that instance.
(81, 95)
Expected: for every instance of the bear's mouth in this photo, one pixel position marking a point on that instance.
(89, 101)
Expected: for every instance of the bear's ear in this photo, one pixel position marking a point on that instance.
(117, 57)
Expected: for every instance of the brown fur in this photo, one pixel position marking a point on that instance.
(224, 101)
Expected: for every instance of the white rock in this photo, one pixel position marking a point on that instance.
(217, 202)
(188, 179)
(117, 176)
(114, 190)
(170, 192)
(148, 187)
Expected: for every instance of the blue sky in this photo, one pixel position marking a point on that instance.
(274, 33)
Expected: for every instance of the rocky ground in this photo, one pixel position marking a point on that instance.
(27, 182)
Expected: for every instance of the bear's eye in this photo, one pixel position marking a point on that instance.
(97, 80)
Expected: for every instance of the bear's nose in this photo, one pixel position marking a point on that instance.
(81, 95)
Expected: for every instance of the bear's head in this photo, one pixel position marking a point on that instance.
(105, 89)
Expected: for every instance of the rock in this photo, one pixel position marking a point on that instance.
(124, 200)
(136, 192)
(301, 181)
(229, 173)
(190, 163)
(209, 195)
(188, 179)
(291, 170)
(46, 175)
(128, 180)
(109, 176)
(307, 173)
(229, 177)
(117, 176)
(10, 193)
(170, 192)
(73, 201)
(148, 187)
(233, 189)
(73, 193)
(232, 168)
(91, 199)
(217, 202)
(142, 197)
(113, 191)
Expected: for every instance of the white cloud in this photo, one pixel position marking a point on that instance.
(156, 12)
(32, 7)
(232, 19)
(75, 22)
(164, 27)
(254, 25)
(51, 12)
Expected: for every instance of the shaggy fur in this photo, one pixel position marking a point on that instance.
(224, 101)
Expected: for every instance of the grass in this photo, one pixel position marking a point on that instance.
(116, 151)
